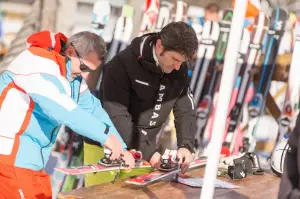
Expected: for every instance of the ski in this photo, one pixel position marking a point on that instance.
(123, 31)
(194, 20)
(179, 12)
(163, 16)
(150, 16)
(205, 54)
(108, 33)
(157, 175)
(101, 14)
(291, 105)
(105, 164)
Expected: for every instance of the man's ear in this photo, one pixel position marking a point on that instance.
(70, 51)
(159, 45)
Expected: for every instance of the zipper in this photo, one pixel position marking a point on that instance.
(51, 137)
(55, 128)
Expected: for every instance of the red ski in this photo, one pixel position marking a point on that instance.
(105, 164)
(156, 175)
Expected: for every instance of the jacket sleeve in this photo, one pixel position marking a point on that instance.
(185, 119)
(49, 93)
(89, 103)
(289, 185)
(115, 97)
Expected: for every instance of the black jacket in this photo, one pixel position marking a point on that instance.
(138, 97)
(290, 180)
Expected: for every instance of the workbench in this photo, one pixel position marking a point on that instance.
(253, 187)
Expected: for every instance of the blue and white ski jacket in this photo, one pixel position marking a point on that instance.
(37, 97)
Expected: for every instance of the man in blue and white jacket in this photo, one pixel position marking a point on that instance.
(42, 89)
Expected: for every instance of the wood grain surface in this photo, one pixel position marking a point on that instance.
(253, 187)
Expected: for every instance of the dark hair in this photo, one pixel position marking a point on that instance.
(212, 7)
(179, 37)
(86, 42)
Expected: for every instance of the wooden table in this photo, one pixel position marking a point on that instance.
(254, 187)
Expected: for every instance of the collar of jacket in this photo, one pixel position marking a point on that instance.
(142, 47)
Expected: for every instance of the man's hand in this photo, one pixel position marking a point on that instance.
(185, 158)
(129, 160)
(113, 143)
(155, 160)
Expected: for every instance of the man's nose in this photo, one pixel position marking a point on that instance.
(177, 65)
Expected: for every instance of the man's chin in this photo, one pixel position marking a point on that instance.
(168, 71)
(73, 76)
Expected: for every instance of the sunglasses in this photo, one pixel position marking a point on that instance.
(83, 67)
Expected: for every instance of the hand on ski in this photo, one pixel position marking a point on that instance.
(128, 159)
(185, 158)
(155, 160)
(113, 143)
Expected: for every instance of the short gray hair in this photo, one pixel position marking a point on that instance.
(85, 42)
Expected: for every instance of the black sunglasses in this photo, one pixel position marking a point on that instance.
(83, 67)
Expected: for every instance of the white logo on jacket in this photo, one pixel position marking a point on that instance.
(141, 82)
(157, 106)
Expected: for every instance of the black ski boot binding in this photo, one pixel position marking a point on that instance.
(169, 161)
(106, 161)
(244, 166)
(256, 169)
(137, 156)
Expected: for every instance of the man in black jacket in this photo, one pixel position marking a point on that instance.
(290, 180)
(143, 83)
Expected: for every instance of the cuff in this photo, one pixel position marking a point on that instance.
(188, 144)
(113, 130)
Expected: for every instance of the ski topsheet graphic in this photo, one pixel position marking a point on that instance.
(150, 16)
(122, 32)
(179, 12)
(163, 16)
(101, 14)
(205, 54)
(257, 105)
(194, 19)
(109, 29)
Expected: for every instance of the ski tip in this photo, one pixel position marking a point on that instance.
(225, 151)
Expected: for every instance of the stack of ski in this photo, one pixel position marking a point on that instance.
(257, 105)
(214, 74)
(123, 31)
(244, 78)
(117, 32)
(204, 58)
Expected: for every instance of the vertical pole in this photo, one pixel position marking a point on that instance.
(226, 86)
